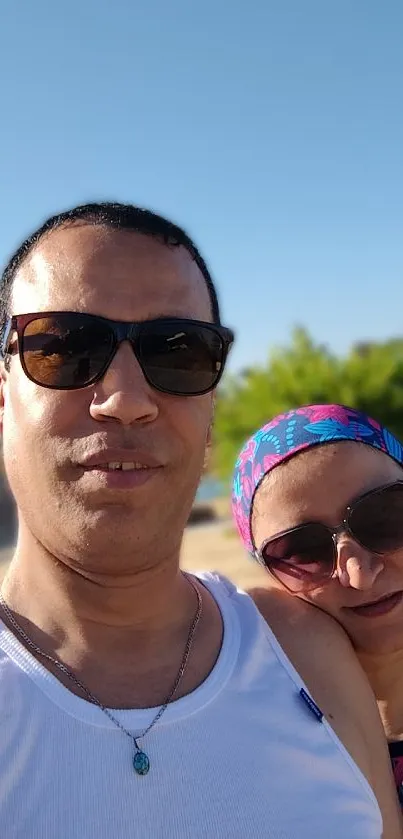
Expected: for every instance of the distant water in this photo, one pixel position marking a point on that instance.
(210, 489)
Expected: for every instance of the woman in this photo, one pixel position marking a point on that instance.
(318, 501)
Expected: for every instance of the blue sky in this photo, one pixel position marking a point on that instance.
(273, 131)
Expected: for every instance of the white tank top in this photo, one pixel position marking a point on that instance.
(244, 755)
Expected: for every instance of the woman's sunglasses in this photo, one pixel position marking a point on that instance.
(72, 350)
(305, 557)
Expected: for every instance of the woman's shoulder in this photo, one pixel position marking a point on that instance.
(287, 613)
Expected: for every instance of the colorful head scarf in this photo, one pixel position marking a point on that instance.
(289, 433)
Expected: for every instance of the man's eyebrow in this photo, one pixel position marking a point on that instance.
(168, 316)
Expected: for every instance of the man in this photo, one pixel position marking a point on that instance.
(136, 700)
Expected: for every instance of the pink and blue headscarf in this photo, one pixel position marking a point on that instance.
(290, 433)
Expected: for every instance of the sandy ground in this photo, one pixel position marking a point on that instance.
(215, 548)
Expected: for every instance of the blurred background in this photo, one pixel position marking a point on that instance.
(273, 132)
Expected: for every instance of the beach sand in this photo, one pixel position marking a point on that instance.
(215, 548)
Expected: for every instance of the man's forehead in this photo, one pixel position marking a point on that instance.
(75, 265)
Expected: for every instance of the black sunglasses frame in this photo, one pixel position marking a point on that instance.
(315, 579)
(120, 331)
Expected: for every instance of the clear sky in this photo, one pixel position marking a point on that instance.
(273, 131)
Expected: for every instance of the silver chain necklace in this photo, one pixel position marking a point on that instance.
(141, 761)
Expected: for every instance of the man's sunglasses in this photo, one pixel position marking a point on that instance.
(72, 350)
(305, 557)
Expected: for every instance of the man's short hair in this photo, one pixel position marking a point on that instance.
(119, 217)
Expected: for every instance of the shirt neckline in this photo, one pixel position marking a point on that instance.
(137, 719)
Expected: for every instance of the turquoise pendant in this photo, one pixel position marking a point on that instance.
(141, 763)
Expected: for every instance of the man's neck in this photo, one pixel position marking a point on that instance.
(50, 588)
(385, 673)
(123, 637)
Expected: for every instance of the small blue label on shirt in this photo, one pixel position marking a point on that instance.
(311, 704)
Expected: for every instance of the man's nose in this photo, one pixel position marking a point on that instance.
(123, 394)
(357, 567)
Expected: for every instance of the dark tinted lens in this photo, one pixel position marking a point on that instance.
(377, 520)
(65, 351)
(301, 558)
(180, 358)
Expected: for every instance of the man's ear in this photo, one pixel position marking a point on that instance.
(207, 457)
(3, 376)
(209, 438)
(210, 428)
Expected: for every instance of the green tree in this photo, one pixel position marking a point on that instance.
(370, 377)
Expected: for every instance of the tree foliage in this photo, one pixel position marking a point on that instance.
(370, 377)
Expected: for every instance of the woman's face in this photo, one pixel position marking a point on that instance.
(317, 486)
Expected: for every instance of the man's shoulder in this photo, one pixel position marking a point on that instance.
(214, 579)
(319, 649)
(323, 655)
(221, 586)
(239, 612)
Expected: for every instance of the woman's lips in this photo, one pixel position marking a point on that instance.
(378, 607)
